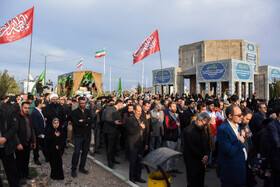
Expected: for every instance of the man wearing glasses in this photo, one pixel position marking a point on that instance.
(232, 157)
(256, 121)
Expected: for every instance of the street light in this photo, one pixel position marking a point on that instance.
(45, 64)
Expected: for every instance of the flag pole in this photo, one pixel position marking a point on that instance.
(161, 66)
(143, 78)
(110, 78)
(29, 63)
(104, 74)
(82, 64)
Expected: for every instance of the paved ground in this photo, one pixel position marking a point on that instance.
(211, 179)
(98, 176)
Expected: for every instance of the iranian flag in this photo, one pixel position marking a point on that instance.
(99, 54)
(80, 63)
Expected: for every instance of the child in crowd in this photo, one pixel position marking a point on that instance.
(55, 143)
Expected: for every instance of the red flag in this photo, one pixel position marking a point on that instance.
(148, 47)
(17, 28)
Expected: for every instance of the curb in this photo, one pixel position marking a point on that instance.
(119, 176)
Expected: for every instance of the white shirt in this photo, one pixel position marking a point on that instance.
(235, 130)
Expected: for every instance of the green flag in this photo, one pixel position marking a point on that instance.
(119, 89)
(42, 76)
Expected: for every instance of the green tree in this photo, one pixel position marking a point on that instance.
(8, 84)
(274, 89)
(139, 89)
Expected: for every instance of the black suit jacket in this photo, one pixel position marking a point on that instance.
(188, 117)
(8, 130)
(81, 128)
(135, 138)
(37, 122)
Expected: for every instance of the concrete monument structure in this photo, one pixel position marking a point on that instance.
(217, 66)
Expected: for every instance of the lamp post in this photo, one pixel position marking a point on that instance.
(45, 64)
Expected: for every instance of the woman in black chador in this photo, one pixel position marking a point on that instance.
(55, 143)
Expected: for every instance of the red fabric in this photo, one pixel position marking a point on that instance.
(170, 124)
(213, 129)
(17, 28)
(148, 47)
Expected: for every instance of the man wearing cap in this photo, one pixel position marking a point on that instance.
(55, 110)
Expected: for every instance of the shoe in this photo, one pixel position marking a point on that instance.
(37, 162)
(92, 153)
(116, 162)
(177, 171)
(22, 182)
(84, 171)
(141, 180)
(74, 174)
(97, 152)
(132, 180)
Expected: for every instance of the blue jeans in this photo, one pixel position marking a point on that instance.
(80, 143)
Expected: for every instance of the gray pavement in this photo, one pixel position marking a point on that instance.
(211, 179)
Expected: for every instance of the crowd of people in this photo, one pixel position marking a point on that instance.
(241, 139)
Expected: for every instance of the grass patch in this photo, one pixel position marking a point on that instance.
(33, 172)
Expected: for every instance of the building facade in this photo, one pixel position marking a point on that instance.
(218, 66)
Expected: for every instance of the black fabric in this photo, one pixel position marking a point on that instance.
(81, 128)
(196, 144)
(10, 167)
(40, 143)
(80, 144)
(52, 111)
(134, 136)
(134, 162)
(111, 115)
(170, 134)
(8, 130)
(22, 161)
(195, 173)
(54, 153)
(112, 140)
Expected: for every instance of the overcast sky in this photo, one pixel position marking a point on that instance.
(71, 29)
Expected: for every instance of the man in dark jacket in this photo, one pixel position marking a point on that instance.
(274, 133)
(112, 121)
(196, 150)
(81, 121)
(40, 87)
(189, 113)
(138, 141)
(8, 145)
(55, 110)
(26, 139)
(38, 122)
(172, 136)
(256, 121)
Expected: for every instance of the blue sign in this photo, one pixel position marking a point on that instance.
(243, 71)
(163, 76)
(275, 74)
(213, 71)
